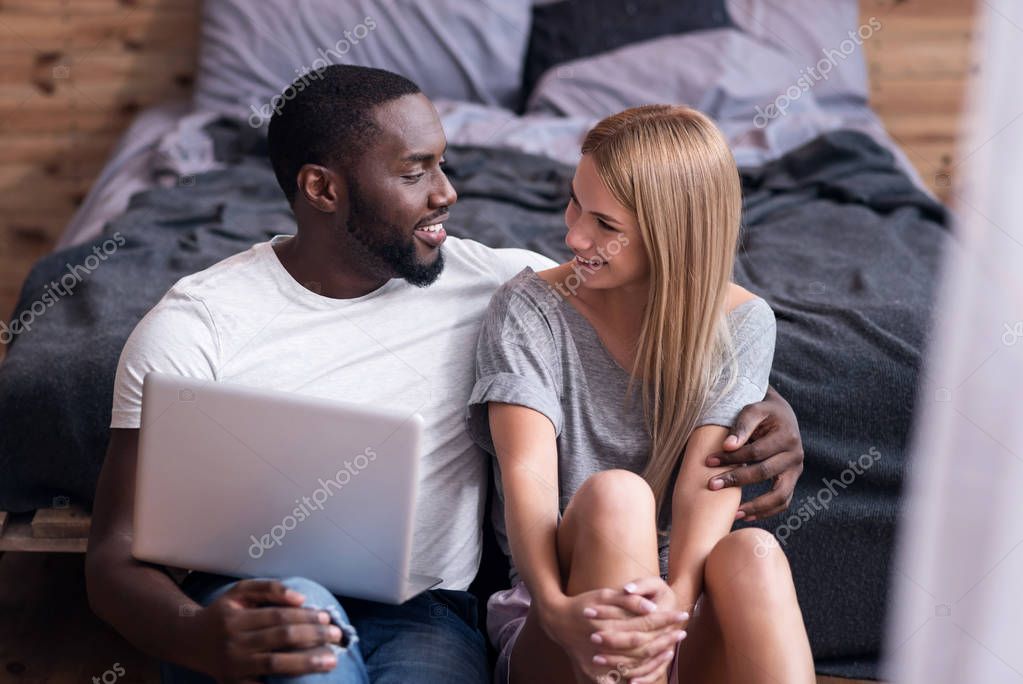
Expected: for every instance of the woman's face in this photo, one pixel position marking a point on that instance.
(603, 235)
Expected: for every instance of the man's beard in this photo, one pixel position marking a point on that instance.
(389, 244)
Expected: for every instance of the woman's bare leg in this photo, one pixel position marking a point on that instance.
(607, 537)
(750, 601)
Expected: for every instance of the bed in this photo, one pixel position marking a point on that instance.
(840, 235)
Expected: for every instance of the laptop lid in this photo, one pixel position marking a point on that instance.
(251, 482)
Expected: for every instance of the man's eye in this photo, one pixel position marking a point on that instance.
(415, 176)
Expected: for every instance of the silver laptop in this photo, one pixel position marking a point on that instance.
(252, 482)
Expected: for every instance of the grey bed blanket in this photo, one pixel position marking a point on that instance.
(840, 242)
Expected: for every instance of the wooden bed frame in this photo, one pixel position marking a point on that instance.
(54, 530)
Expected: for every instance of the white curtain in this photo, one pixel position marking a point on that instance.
(958, 579)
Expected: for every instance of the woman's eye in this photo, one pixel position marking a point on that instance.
(606, 226)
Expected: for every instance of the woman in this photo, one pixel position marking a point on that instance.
(602, 386)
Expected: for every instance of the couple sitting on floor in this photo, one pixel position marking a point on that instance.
(619, 394)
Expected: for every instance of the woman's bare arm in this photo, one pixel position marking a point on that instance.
(700, 517)
(527, 452)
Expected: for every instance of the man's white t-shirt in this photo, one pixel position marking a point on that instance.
(245, 320)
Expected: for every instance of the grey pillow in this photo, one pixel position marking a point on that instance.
(722, 72)
(809, 31)
(251, 51)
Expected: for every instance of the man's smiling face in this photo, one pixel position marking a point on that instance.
(398, 194)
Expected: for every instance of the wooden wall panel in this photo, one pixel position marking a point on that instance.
(919, 63)
(73, 73)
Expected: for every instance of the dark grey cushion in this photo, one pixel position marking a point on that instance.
(570, 29)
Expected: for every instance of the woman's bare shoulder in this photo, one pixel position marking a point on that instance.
(556, 274)
(737, 295)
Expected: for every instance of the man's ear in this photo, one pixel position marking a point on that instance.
(321, 187)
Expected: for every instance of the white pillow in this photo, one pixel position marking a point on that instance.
(250, 51)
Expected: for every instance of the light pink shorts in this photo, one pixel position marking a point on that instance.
(506, 616)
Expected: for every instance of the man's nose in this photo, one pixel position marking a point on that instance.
(445, 194)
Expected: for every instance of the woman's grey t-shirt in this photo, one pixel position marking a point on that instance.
(537, 350)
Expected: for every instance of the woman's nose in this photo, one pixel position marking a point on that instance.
(577, 239)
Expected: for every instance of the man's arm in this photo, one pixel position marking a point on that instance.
(142, 602)
(766, 437)
(139, 600)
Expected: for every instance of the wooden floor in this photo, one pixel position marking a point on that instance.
(45, 612)
(48, 635)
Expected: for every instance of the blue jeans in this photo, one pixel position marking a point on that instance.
(431, 638)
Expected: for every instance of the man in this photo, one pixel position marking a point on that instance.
(364, 304)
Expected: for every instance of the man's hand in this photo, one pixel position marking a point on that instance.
(766, 438)
(258, 628)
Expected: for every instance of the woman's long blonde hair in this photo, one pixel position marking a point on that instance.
(671, 166)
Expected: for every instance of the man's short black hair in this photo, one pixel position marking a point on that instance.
(325, 117)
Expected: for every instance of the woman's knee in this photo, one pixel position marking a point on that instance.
(749, 560)
(614, 495)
